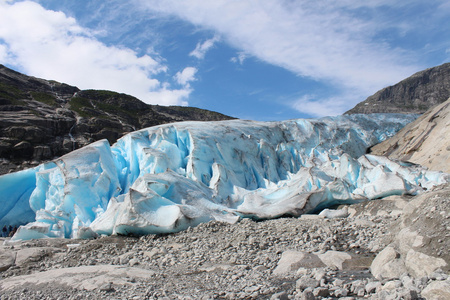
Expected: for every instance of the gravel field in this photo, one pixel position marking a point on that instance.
(311, 257)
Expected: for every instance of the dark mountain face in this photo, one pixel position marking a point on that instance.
(42, 119)
(415, 94)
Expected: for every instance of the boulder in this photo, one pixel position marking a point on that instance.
(306, 282)
(419, 264)
(86, 277)
(419, 246)
(344, 260)
(437, 290)
(387, 264)
(334, 259)
(291, 261)
(28, 255)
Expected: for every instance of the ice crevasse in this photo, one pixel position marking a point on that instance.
(169, 177)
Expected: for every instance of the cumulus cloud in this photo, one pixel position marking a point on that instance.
(337, 42)
(186, 76)
(51, 45)
(201, 48)
(172, 96)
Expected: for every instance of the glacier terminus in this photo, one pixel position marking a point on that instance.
(166, 178)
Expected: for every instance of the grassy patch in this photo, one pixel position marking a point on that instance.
(44, 98)
(11, 93)
(78, 103)
(104, 95)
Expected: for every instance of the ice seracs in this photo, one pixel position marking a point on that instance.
(167, 178)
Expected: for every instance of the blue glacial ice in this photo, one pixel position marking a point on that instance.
(169, 177)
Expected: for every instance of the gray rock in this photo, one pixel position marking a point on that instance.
(420, 264)
(107, 287)
(87, 277)
(338, 282)
(340, 292)
(306, 282)
(291, 261)
(409, 295)
(392, 285)
(150, 254)
(318, 274)
(372, 287)
(344, 260)
(28, 255)
(438, 275)
(133, 262)
(7, 259)
(279, 296)
(387, 264)
(307, 295)
(124, 259)
(437, 290)
(321, 292)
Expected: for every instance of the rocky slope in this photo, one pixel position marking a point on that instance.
(42, 119)
(415, 94)
(425, 141)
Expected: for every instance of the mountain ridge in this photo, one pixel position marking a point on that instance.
(413, 95)
(42, 119)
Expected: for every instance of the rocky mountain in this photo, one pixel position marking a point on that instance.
(42, 119)
(425, 141)
(415, 94)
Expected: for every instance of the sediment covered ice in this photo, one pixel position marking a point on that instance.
(167, 178)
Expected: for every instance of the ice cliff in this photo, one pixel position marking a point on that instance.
(167, 178)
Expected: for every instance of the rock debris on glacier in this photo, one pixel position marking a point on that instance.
(167, 178)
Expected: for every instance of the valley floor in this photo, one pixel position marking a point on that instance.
(310, 257)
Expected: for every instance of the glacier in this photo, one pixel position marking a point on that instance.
(166, 178)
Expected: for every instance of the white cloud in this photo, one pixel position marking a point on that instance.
(337, 42)
(51, 45)
(201, 48)
(186, 76)
(239, 58)
(3, 53)
(171, 97)
(320, 107)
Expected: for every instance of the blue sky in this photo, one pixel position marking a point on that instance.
(261, 60)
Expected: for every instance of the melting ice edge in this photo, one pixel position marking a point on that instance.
(169, 177)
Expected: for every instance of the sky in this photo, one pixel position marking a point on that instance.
(265, 60)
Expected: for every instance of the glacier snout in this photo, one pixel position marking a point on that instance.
(167, 178)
